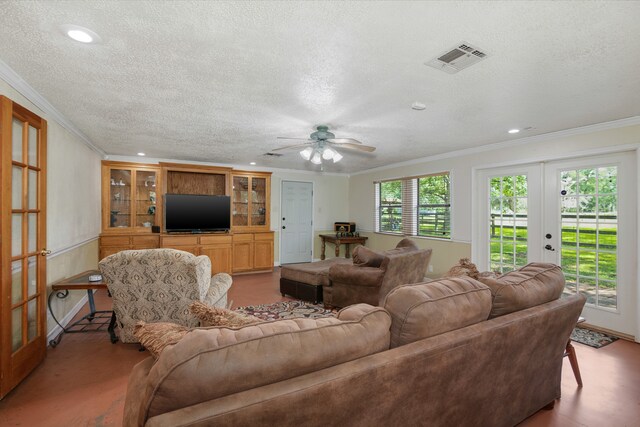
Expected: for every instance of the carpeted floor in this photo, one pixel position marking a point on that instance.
(592, 338)
(287, 310)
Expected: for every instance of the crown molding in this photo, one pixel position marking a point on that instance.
(14, 80)
(615, 124)
(244, 167)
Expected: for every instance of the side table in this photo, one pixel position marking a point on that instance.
(332, 238)
(96, 320)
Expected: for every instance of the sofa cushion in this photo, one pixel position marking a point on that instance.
(211, 363)
(366, 257)
(311, 273)
(423, 310)
(533, 284)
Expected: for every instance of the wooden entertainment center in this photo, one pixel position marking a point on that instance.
(132, 203)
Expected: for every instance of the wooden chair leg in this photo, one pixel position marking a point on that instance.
(571, 352)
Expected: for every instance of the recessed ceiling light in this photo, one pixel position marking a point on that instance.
(514, 130)
(252, 163)
(418, 106)
(141, 154)
(80, 34)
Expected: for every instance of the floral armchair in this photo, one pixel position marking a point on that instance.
(157, 285)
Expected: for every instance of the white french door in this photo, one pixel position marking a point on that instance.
(590, 221)
(577, 213)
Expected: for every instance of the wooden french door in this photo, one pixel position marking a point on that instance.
(23, 141)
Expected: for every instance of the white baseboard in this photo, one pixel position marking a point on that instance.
(66, 319)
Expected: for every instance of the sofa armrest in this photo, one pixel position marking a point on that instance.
(356, 276)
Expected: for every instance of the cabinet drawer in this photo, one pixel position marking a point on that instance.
(170, 241)
(263, 236)
(215, 240)
(115, 240)
(243, 237)
(146, 241)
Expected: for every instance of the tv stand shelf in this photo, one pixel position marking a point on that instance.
(246, 248)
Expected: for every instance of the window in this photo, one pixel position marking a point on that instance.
(389, 195)
(415, 206)
(434, 206)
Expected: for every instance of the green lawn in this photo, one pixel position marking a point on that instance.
(584, 238)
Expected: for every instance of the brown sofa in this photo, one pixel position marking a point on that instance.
(429, 357)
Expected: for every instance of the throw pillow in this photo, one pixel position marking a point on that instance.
(365, 257)
(156, 336)
(464, 267)
(216, 316)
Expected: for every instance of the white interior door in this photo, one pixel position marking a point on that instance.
(590, 229)
(577, 213)
(296, 234)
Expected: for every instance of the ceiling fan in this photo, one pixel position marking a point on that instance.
(321, 145)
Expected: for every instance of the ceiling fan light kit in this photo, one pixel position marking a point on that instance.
(328, 153)
(320, 145)
(316, 159)
(306, 153)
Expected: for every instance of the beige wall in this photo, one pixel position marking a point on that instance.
(73, 202)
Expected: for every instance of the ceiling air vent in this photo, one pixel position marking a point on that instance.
(460, 57)
(272, 154)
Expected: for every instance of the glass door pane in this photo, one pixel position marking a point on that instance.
(240, 201)
(508, 223)
(145, 198)
(120, 198)
(258, 201)
(589, 233)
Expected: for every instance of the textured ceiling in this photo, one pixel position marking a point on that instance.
(219, 81)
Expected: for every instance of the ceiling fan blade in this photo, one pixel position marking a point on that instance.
(359, 147)
(297, 139)
(291, 146)
(344, 141)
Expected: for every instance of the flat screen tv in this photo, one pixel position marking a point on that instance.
(196, 213)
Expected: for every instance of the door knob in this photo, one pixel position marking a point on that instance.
(45, 252)
(549, 248)
(283, 227)
(548, 235)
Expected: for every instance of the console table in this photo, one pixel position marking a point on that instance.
(96, 320)
(337, 241)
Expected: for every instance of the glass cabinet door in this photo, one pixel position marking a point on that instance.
(240, 201)
(258, 201)
(145, 195)
(120, 198)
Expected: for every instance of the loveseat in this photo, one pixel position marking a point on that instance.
(428, 356)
